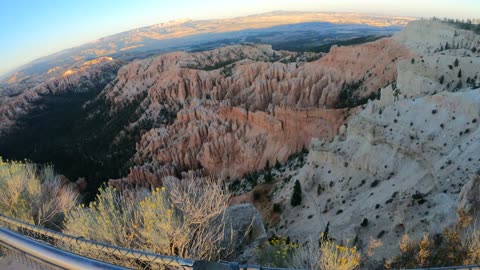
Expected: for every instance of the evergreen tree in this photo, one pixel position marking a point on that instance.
(456, 62)
(268, 173)
(460, 73)
(325, 235)
(278, 165)
(297, 194)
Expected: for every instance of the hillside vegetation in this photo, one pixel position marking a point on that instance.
(34, 194)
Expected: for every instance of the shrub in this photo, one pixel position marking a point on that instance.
(306, 256)
(277, 253)
(257, 195)
(375, 183)
(110, 219)
(297, 194)
(337, 257)
(183, 219)
(364, 222)
(277, 208)
(34, 195)
(267, 176)
(252, 178)
(442, 79)
(196, 211)
(450, 248)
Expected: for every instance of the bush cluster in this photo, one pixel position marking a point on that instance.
(33, 194)
(452, 247)
(184, 218)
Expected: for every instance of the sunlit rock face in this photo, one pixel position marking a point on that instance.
(402, 164)
(238, 107)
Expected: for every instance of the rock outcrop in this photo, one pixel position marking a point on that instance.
(469, 197)
(245, 228)
(402, 164)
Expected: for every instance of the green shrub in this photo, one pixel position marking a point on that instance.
(257, 195)
(442, 79)
(277, 208)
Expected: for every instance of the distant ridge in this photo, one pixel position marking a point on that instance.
(144, 38)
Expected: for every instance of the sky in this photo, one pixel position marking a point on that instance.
(33, 28)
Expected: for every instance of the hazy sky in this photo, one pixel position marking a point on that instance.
(33, 28)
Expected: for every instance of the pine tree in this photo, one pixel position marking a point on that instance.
(456, 62)
(278, 165)
(297, 194)
(460, 73)
(267, 176)
(325, 235)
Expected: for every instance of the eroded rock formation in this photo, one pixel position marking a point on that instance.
(402, 164)
(238, 107)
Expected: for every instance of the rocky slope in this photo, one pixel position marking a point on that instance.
(79, 78)
(238, 107)
(397, 166)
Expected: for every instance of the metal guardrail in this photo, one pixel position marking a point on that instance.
(45, 254)
(54, 255)
(93, 246)
(148, 259)
(468, 267)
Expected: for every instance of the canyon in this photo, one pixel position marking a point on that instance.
(389, 129)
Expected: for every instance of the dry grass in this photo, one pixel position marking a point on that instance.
(34, 195)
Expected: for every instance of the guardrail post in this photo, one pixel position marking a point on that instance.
(234, 266)
(205, 265)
